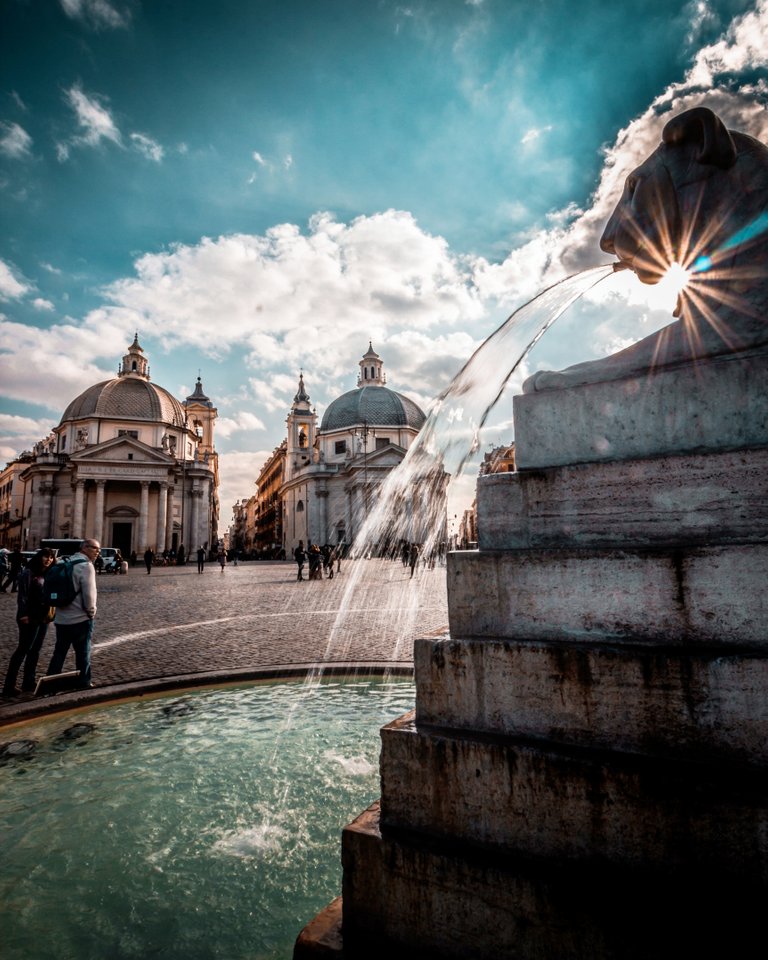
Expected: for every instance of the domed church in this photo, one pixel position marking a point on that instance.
(128, 465)
(332, 473)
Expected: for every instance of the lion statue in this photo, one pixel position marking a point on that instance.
(701, 200)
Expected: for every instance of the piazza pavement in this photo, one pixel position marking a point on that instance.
(151, 630)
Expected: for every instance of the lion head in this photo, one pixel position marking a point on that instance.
(697, 200)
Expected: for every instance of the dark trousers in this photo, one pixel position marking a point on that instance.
(31, 636)
(78, 636)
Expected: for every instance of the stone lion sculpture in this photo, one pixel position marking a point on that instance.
(700, 199)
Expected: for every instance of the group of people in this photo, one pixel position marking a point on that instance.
(73, 622)
(319, 559)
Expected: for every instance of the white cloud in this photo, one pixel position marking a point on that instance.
(258, 158)
(40, 304)
(96, 14)
(93, 118)
(290, 297)
(226, 426)
(11, 286)
(534, 133)
(288, 161)
(148, 147)
(20, 433)
(15, 142)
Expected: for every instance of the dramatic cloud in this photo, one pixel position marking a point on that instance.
(15, 142)
(97, 14)
(148, 147)
(11, 286)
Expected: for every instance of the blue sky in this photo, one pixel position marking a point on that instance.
(260, 187)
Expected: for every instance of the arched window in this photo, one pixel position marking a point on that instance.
(133, 365)
(302, 438)
(373, 373)
(365, 373)
(300, 507)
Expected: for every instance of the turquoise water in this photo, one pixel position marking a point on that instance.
(199, 826)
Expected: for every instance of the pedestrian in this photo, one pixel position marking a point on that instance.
(134, 558)
(331, 561)
(222, 558)
(339, 551)
(300, 556)
(32, 616)
(74, 623)
(315, 563)
(149, 559)
(200, 559)
(234, 557)
(413, 557)
(4, 554)
(15, 565)
(405, 553)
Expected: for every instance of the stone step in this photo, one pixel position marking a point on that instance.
(409, 896)
(544, 801)
(720, 403)
(717, 498)
(707, 704)
(699, 596)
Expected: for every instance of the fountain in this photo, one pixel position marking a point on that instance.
(584, 775)
(194, 825)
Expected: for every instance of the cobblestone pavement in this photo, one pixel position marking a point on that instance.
(176, 621)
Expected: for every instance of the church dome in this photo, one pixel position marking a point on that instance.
(129, 399)
(129, 396)
(372, 402)
(374, 405)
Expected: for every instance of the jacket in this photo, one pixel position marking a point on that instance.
(83, 607)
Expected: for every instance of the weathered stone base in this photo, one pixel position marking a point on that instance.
(632, 698)
(410, 897)
(700, 596)
(537, 800)
(720, 403)
(692, 499)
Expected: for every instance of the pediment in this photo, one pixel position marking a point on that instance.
(389, 456)
(122, 449)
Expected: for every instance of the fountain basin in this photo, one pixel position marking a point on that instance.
(204, 824)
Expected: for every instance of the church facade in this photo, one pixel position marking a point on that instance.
(333, 471)
(129, 465)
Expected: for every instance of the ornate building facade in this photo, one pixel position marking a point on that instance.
(332, 473)
(129, 465)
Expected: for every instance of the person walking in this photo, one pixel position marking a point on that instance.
(413, 557)
(200, 559)
(32, 616)
(74, 623)
(300, 556)
(222, 558)
(149, 559)
(15, 564)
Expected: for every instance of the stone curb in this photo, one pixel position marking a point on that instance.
(30, 709)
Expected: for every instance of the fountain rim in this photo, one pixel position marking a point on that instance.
(137, 690)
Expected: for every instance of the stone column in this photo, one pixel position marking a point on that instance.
(322, 516)
(143, 517)
(194, 505)
(169, 516)
(203, 516)
(45, 489)
(98, 520)
(78, 527)
(162, 507)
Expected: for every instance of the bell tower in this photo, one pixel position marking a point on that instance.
(302, 425)
(134, 364)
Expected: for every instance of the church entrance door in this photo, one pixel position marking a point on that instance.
(121, 538)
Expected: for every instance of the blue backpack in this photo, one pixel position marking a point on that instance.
(59, 586)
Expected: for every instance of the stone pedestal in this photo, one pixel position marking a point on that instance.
(586, 772)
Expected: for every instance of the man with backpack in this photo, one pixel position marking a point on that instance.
(74, 619)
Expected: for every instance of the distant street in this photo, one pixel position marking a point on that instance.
(176, 621)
